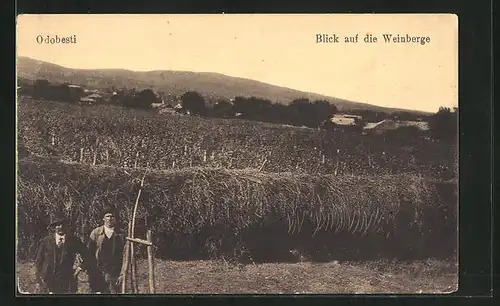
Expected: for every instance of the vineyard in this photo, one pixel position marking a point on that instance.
(106, 135)
(221, 187)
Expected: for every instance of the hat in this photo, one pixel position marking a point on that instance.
(57, 218)
(108, 210)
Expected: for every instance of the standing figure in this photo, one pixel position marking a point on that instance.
(55, 258)
(106, 244)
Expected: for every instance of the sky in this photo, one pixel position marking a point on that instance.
(276, 49)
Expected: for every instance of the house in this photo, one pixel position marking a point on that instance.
(158, 105)
(345, 119)
(384, 125)
(168, 110)
(92, 98)
(388, 124)
(421, 125)
(87, 100)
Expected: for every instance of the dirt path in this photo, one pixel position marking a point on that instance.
(195, 277)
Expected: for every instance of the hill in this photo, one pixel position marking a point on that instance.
(209, 84)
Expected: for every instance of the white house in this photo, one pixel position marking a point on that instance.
(345, 119)
(388, 124)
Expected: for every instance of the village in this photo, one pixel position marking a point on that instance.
(173, 105)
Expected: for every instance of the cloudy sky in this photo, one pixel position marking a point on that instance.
(276, 49)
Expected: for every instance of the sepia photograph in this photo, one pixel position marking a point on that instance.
(237, 154)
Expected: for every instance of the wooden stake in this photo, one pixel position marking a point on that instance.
(151, 263)
(140, 241)
(262, 166)
(136, 158)
(132, 233)
(126, 262)
(81, 155)
(136, 205)
(134, 269)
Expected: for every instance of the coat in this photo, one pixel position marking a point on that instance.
(96, 240)
(45, 261)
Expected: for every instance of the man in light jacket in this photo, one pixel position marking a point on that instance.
(107, 243)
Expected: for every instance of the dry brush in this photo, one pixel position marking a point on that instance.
(212, 210)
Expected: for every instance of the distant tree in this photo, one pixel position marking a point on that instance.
(145, 99)
(300, 112)
(404, 115)
(137, 99)
(303, 112)
(193, 102)
(41, 88)
(444, 123)
(243, 106)
(279, 113)
(259, 108)
(323, 110)
(124, 97)
(223, 109)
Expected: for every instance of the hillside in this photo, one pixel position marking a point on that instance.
(176, 82)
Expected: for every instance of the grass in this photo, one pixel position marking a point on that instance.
(214, 277)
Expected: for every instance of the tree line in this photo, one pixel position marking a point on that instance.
(300, 112)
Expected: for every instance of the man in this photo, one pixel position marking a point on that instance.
(55, 257)
(106, 243)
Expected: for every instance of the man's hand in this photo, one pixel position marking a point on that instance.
(119, 280)
(40, 287)
(77, 271)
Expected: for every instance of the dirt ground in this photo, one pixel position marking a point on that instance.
(213, 277)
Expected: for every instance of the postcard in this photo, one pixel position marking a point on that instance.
(237, 154)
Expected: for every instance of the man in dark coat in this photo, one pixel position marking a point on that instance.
(55, 258)
(106, 244)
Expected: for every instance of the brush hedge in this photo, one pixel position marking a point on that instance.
(212, 212)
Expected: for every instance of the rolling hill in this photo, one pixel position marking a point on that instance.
(176, 82)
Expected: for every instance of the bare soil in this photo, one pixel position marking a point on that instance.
(215, 277)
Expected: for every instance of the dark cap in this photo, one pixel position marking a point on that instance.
(58, 218)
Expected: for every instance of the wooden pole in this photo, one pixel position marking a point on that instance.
(151, 264)
(140, 241)
(132, 233)
(126, 262)
(134, 269)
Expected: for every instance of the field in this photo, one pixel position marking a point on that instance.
(105, 135)
(245, 194)
(209, 277)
